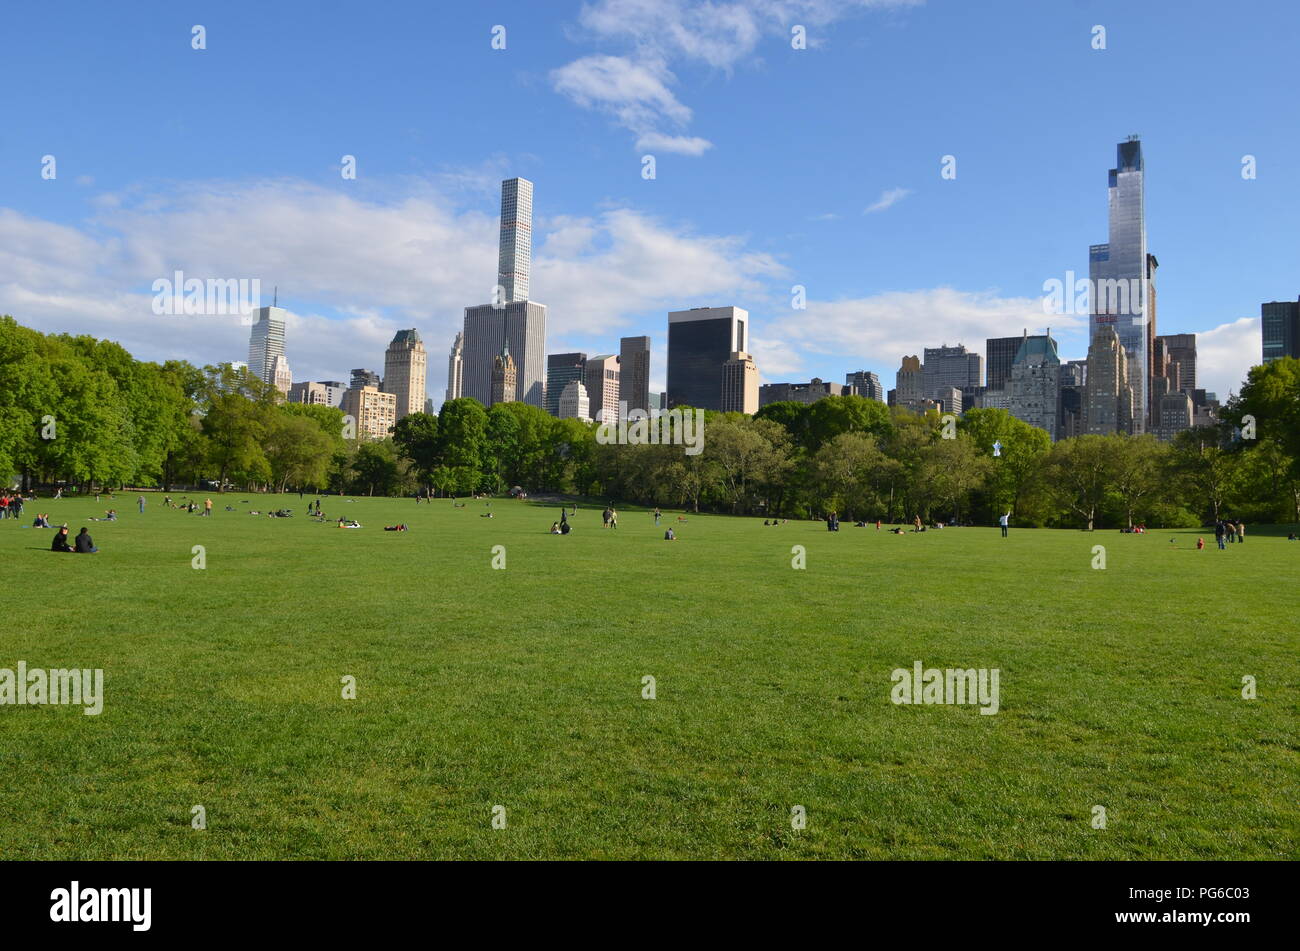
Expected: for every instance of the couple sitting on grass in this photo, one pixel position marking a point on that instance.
(82, 544)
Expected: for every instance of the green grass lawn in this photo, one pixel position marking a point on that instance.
(523, 688)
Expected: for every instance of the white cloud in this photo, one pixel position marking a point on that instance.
(680, 144)
(351, 268)
(876, 331)
(635, 93)
(1226, 353)
(887, 199)
(720, 35)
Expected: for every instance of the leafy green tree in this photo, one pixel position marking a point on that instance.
(1020, 449)
(852, 475)
(1205, 467)
(1080, 471)
(1138, 465)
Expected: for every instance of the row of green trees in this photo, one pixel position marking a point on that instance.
(82, 410)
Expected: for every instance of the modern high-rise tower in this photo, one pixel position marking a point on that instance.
(515, 255)
(266, 342)
(511, 316)
(405, 367)
(601, 378)
(700, 343)
(634, 373)
(1121, 277)
(1280, 329)
(561, 370)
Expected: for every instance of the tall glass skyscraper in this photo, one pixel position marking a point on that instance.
(1119, 276)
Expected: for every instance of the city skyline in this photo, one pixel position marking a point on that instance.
(402, 244)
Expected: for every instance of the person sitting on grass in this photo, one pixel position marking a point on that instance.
(60, 542)
(84, 545)
(555, 528)
(42, 520)
(565, 528)
(670, 536)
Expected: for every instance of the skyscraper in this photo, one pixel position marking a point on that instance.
(405, 367)
(561, 370)
(504, 378)
(1001, 353)
(266, 342)
(950, 366)
(455, 369)
(909, 389)
(740, 384)
(574, 402)
(700, 342)
(511, 315)
(1280, 324)
(1182, 360)
(1109, 406)
(1121, 276)
(602, 382)
(865, 383)
(362, 377)
(1035, 383)
(515, 252)
(281, 377)
(634, 373)
(1070, 398)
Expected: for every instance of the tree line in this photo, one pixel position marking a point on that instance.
(79, 410)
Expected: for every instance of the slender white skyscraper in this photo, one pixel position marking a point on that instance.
(266, 342)
(456, 369)
(515, 256)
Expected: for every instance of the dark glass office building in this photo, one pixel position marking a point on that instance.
(700, 341)
(1281, 329)
(561, 370)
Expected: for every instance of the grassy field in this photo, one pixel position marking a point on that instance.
(523, 688)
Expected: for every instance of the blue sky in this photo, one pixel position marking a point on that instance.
(224, 163)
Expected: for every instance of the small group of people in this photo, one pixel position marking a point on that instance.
(833, 522)
(11, 505)
(609, 517)
(775, 521)
(395, 528)
(1229, 530)
(562, 527)
(82, 544)
(348, 523)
